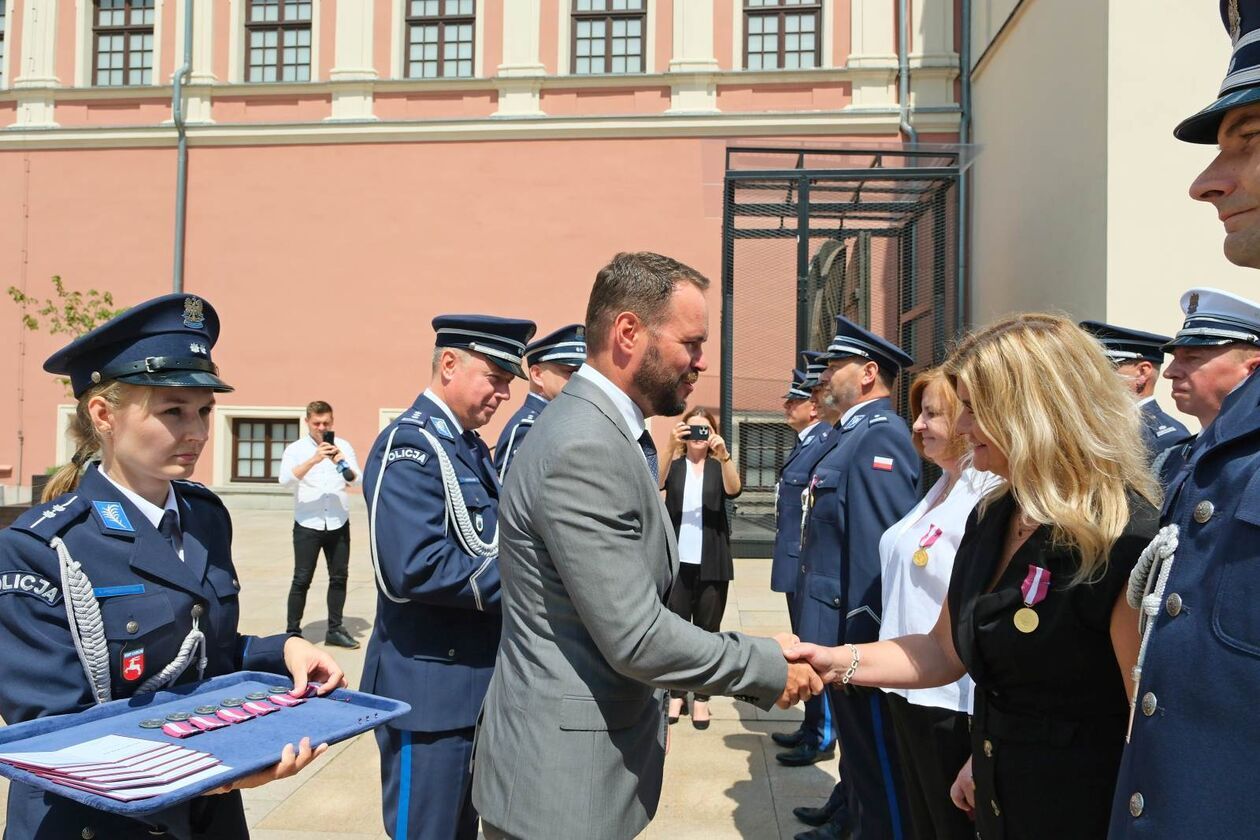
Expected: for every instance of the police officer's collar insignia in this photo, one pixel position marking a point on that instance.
(113, 515)
(442, 429)
(52, 512)
(1193, 306)
(1235, 22)
(808, 440)
(28, 583)
(194, 317)
(853, 422)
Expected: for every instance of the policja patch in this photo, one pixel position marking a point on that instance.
(28, 583)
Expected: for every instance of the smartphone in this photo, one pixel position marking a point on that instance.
(330, 437)
(697, 433)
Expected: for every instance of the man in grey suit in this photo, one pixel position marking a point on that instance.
(572, 737)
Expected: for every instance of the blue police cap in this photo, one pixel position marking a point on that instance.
(1125, 345)
(852, 340)
(813, 363)
(1215, 317)
(1242, 79)
(164, 342)
(566, 346)
(501, 340)
(798, 390)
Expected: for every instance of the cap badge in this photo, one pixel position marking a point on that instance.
(1193, 306)
(194, 317)
(1235, 22)
(197, 348)
(581, 332)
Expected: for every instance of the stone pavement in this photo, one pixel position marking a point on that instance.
(720, 783)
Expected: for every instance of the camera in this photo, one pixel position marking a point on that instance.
(330, 438)
(697, 433)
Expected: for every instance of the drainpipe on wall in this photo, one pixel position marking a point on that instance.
(181, 172)
(903, 69)
(964, 138)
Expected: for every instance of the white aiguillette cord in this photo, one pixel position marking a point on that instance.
(1145, 594)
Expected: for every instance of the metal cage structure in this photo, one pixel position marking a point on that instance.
(809, 233)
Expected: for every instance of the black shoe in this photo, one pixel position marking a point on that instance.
(805, 754)
(340, 638)
(787, 740)
(812, 816)
(830, 831)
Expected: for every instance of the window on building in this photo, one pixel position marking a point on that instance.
(763, 446)
(123, 33)
(782, 34)
(2, 21)
(257, 446)
(608, 36)
(440, 39)
(279, 37)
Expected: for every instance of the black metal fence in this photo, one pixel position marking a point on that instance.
(871, 234)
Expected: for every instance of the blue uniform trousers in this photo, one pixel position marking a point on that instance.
(426, 784)
(819, 723)
(870, 764)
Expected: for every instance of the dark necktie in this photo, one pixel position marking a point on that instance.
(168, 527)
(649, 452)
(473, 440)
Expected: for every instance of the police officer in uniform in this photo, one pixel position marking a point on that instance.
(1188, 769)
(550, 362)
(863, 484)
(1138, 357)
(432, 495)
(141, 557)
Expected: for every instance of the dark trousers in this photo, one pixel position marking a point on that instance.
(933, 744)
(819, 724)
(869, 761)
(426, 784)
(307, 543)
(702, 602)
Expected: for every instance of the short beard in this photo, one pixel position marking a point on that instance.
(659, 385)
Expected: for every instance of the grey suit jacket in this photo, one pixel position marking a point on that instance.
(571, 741)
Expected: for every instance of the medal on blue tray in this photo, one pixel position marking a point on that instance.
(1035, 587)
(920, 556)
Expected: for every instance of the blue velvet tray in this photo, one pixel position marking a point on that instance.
(245, 747)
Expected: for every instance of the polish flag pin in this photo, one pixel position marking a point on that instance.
(882, 463)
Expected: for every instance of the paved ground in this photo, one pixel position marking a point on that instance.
(721, 783)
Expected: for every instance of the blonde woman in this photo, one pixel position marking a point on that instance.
(123, 529)
(1035, 613)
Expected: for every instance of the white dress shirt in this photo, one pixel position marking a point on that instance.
(446, 409)
(808, 430)
(152, 512)
(629, 411)
(914, 595)
(691, 526)
(320, 500)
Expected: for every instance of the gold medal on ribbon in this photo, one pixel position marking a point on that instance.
(920, 557)
(1026, 619)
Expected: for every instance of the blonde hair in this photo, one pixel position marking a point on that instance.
(87, 441)
(957, 445)
(1044, 393)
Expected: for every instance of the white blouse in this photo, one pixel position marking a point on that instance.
(913, 593)
(691, 526)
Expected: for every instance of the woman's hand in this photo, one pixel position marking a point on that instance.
(678, 439)
(717, 447)
(291, 763)
(963, 790)
(308, 663)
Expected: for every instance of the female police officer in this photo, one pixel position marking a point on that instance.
(126, 576)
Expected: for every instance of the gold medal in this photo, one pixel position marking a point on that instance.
(920, 557)
(1026, 620)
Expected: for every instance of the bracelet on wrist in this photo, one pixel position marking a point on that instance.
(855, 658)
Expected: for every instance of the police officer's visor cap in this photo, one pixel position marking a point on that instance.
(566, 347)
(1242, 79)
(1215, 317)
(164, 342)
(799, 389)
(501, 340)
(1122, 344)
(852, 340)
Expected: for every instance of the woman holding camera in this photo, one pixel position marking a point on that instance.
(698, 479)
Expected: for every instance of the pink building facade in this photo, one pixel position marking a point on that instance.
(359, 166)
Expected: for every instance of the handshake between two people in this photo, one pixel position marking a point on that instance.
(810, 669)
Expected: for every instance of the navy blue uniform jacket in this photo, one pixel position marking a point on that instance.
(513, 434)
(147, 599)
(1160, 430)
(437, 615)
(794, 478)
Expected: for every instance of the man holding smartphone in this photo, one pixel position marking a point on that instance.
(318, 467)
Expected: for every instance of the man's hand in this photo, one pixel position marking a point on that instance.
(327, 450)
(787, 641)
(291, 763)
(307, 662)
(802, 683)
(829, 664)
(963, 790)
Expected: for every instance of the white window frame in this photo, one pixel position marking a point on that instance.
(221, 472)
(738, 418)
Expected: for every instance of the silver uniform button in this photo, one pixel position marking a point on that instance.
(1173, 604)
(235, 584)
(1149, 703)
(198, 610)
(451, 652)
(133, 626)
(1203, 511)
(1136, 804)
(988, 748)
(87, 833)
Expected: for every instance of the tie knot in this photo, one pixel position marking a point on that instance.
(169, 524)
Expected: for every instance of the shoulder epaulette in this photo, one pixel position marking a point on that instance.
(51, 518)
